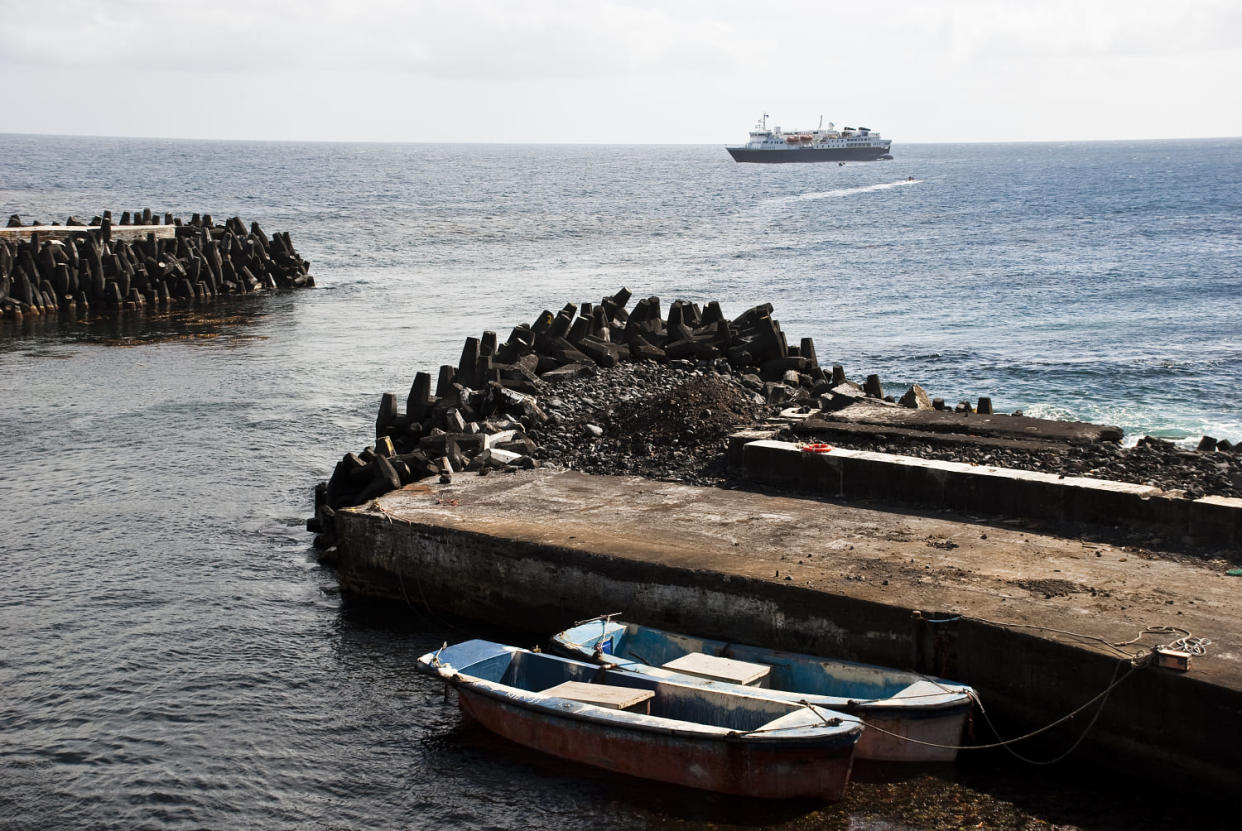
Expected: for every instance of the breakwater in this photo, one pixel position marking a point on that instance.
(597, 388)
(78, 269)
(480, 415)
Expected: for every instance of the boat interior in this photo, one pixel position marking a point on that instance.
(787, 671)
(538, 672)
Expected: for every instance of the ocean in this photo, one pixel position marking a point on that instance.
(175, 658)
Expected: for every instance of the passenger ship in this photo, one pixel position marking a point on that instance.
(819, 145)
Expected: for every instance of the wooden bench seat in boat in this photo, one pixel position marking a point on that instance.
(603, 695)
(721, 669)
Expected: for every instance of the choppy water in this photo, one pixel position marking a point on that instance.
(173, 658)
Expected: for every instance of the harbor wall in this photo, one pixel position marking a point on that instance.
(1155, 723)
(859, 474)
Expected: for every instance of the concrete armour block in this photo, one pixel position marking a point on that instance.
(916, 398)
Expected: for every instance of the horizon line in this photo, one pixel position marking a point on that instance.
(574, 143)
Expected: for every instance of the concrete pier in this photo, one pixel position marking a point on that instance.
(128, 233)
(987, 604)
(860, 474)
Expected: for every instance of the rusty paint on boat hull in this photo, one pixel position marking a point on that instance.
(733, 767)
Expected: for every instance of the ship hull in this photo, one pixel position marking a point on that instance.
(807, 154)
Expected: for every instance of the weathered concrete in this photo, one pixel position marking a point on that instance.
(848, 430)
(947, 421)
(994, 490)
(118, 232)
(541, 549)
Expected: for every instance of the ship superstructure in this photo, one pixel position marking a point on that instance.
(818, 145)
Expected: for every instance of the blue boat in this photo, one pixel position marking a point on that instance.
(714, 739)
(906, 717)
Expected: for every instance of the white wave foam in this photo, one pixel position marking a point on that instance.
(842, 192)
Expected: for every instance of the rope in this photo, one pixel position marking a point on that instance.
(1101, 697)
(1190, 645)
(1187, 643)
(828, 722)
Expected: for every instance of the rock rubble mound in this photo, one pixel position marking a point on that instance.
(602, 390)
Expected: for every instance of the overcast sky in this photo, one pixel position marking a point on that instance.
(621, 71)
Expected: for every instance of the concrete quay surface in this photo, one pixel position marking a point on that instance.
(941, 593)
(856, 474)
(118, 232)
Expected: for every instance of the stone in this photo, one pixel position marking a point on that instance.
(806, 348)
(487, 344)
(594, 430)
(469, 360)
(444, 383)
(570, 371)
(387, 414)
(774, 393)
(985, 406)
(775, 369)
(1207, 444)
(419, 399)
(454, 422)
(384, 478)
(523, 445)
(916, 398)
(872, 387)
(604, 354)
(504, 457)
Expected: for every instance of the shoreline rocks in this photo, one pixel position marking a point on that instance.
(594, 388)
(88, 271)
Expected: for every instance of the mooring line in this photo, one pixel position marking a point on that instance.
(1102, 697)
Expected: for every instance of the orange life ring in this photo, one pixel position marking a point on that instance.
(816, 448)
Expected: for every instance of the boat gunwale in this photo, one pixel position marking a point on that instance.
(823, 735)
(961, 697)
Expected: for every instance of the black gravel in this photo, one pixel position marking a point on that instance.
(1152, 461)
(671, 423)
(645, 419)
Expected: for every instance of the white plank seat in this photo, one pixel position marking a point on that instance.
(603, 695)
(716, 668)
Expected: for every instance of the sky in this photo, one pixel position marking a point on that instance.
(621, 71)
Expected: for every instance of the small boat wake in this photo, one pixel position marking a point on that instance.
(842, 192)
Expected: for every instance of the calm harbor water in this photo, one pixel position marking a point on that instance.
(174, 658)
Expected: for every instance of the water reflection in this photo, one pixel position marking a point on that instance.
(225, 321)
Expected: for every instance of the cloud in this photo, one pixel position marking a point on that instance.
(1071, 28)
(471, 39)
(619, 70)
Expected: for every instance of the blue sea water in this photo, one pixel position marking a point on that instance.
(174, 658)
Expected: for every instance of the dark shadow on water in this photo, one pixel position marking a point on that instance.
(413, 619)
(487, 759)
(225, 321)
